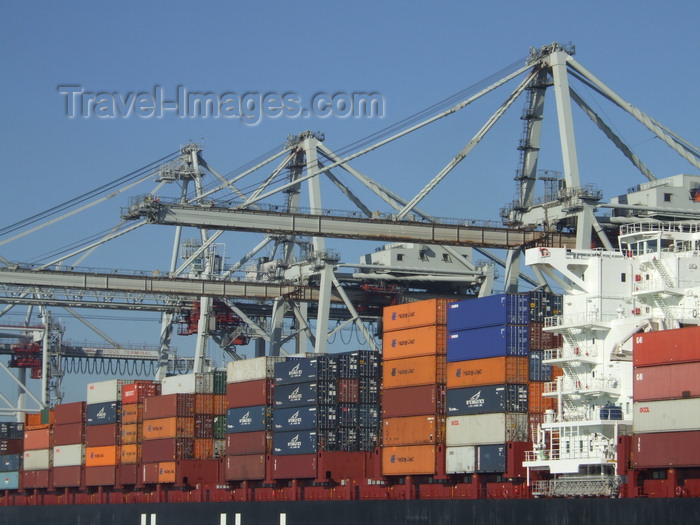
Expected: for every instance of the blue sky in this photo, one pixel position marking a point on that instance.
(413, 53)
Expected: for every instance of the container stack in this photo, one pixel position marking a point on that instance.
(133, 396)
(667, 399)
(38, 449)
(11, 450)
(487, 383)
(69, 444)
(248, 417)
(542, 305)
(413, 380)
(103, 432)
(305, 416)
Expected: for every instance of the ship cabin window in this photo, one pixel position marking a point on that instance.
(399, 256)
(667, 197)
(446, 257)
(423, 255)
(623, 277)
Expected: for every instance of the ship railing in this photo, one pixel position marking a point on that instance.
(577, 353)
(574, 385)
(578, 319)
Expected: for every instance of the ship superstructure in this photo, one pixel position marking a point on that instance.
(650, 283)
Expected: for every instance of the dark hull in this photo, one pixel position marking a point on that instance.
(475, 512)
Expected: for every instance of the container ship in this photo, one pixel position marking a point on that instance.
(584, 403)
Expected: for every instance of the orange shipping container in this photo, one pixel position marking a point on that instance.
(131, 434)
(102, 456)
(220, 404)
(37, 439)
(168, 427)
(413, 315)
(414, 371)
(413, 430)
(166, 472)
(536, 403)
(203, 448)
(490, 371)
(410, 460)
(414, 342)
(204, 404)
(130, 454)
(132, 413)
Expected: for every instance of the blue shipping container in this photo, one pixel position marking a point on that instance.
(103, 413)
(10, 462)
(304, 394)
(538, 371)
(490, 458)
(305, 370)
(292, 443)
(9, 481)
(486, 399)
(11, 430)
(295, 418)
(491, 341)
(246, 419)
(488, 311)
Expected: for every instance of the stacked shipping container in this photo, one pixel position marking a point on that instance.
(11, 450)
(69, 444)
(413, 378)
(131, 433)
(667, 399)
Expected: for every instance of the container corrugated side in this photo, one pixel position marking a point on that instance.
(490, 341)
(293, 443)
(37, 439)
(295, 418)
(37, 459)
(304, 394)
(488, 311)
(244, 443)
(486, 399)
(675, 381)
(413, 401)
(102, 435)
(130, 454)
(413, 430)
(101, 476)
(491, 459)
(252, 369)
(409, 460)
(486, 429)
(489, 371)
(666, 450)
(168, 449)
(105, 413)
(136, 392)
(70, 476)
(167, 471)
(102, 456)
(248, 467)
(460, 460)
(304, 370)
(666, 346)
(10, 462)
(247, 419)
(171, 405)
(202, 383)
(294, 466)
(68, 455)
(537, 403)
(132, 413)
(69, 434)
(249, 393)
(131, 434)
(109, 391)
(414, 315)
(168, 427)
(414, 342)
(9, 480)
(414, 371)
(677, 415)
(70, 413)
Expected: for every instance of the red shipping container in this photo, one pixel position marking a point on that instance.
(103, 476)
(11, 446)
(138, 391)
(338, 466)
(348, 390)
(249, 393)
(413, 401)
(171, 405)
(245, 467)
(247, 443)
(127, 475)
(666, 450)
(149, 473)
(194, 472)
(69, 434)
(294, 467)
(667, 346)
(541, 340)
(35, 479)
(70, 413)
(170, 449)
(102, 435)
(204, 426)
(67, 476)
(37, 439)
(676, 381)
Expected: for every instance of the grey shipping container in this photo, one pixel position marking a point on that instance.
(486, 429)
(486, 399)
(676, 415)
(247, 419)
(103, 413)
(292, 443)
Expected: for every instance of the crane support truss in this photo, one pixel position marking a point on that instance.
(377, 229)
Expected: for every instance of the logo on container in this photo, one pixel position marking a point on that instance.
(101, 414)
(644, 410)
(407, 342)
(475, 401)
(295, 371)
(295, 395)
(246, 419)
(294, 419)
(393, 343)
(294, 442)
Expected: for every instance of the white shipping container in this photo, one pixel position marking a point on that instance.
(188, 384)
(105, 391)
(676, 415)
(37, 459)
(486, 429)
(252, 369)
(461, 460)
(68, 455)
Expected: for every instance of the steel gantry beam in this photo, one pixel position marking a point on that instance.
(348, 227)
